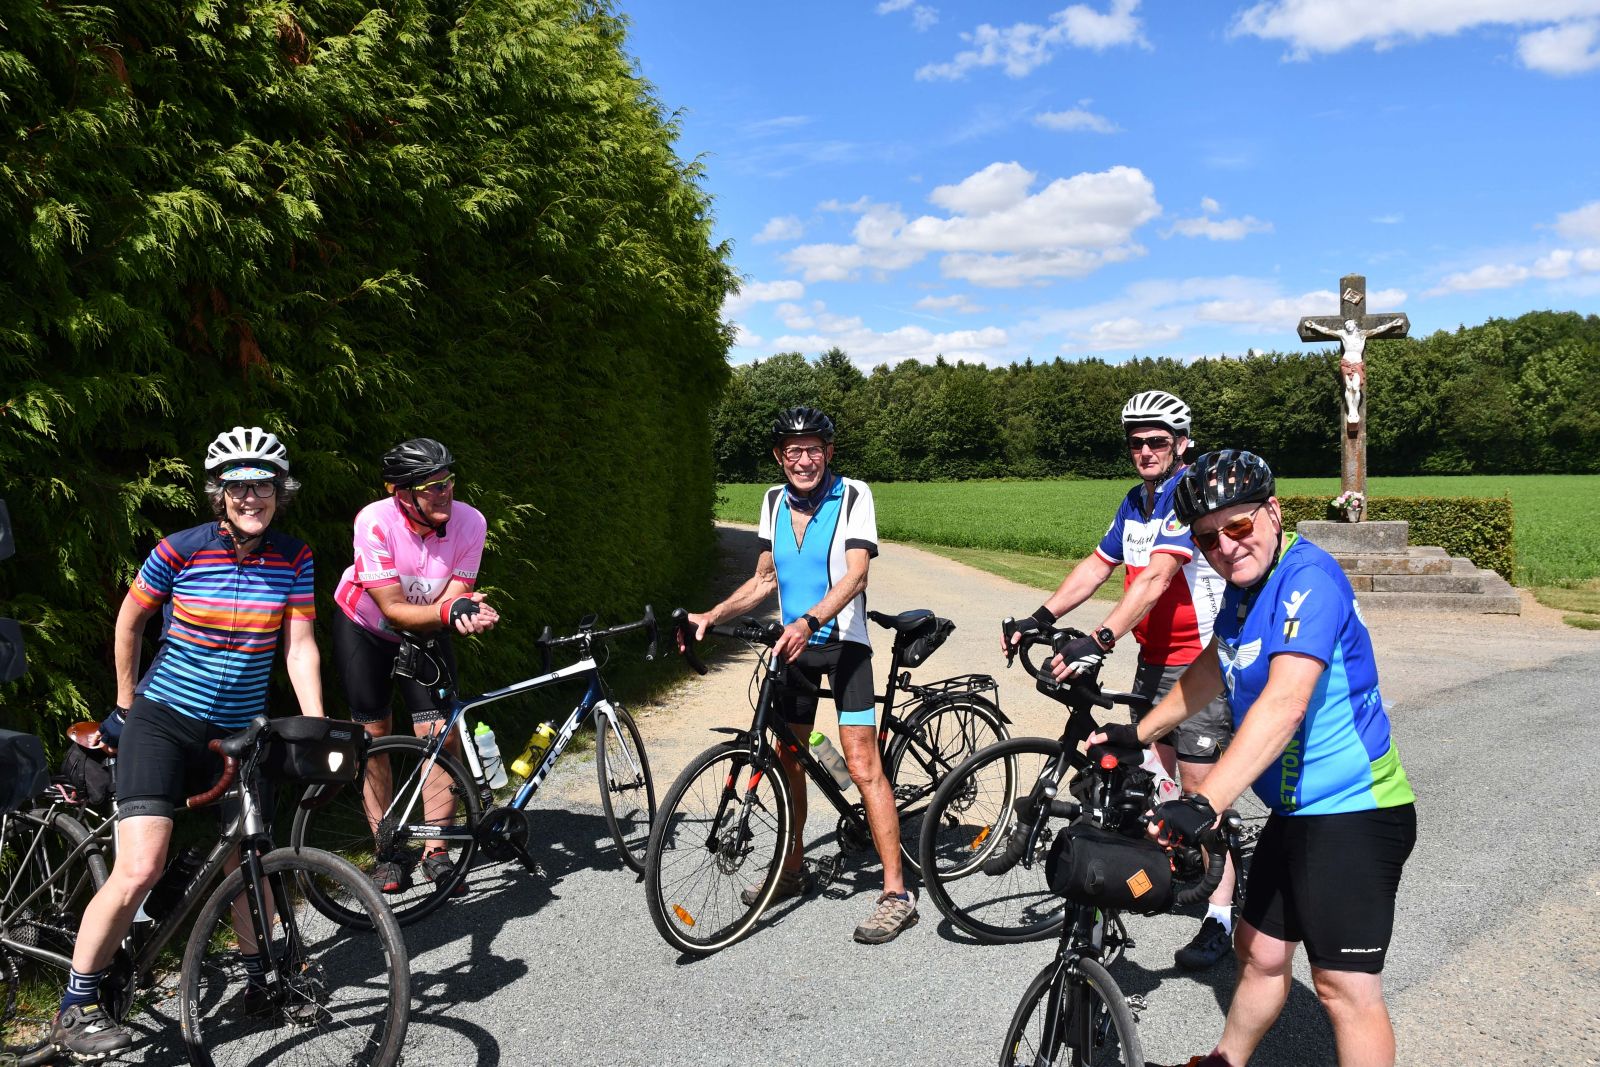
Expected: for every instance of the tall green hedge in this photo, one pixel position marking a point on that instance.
(352, 223)
(1477, 528)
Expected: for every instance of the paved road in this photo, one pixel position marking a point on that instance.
(1494, 958)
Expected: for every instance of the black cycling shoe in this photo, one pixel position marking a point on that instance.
(1210, 943)
(86, 1033)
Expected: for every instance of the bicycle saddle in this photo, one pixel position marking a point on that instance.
(905, 623)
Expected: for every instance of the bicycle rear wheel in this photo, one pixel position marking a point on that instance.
(1091, 1026)
(944, 734)
(407, 800)
(720, 837)
(627, 792)
(971, 818)
(47, 885)
(342, 995)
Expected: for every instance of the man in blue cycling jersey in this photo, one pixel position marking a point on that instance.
(1292, 654)
(818, 534)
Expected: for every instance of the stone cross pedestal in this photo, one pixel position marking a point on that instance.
(1351, 328)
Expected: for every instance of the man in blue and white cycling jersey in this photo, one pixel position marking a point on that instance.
(818, 534)
(1292, 654)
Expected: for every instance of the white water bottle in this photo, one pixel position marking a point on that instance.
(494, 768)
(824, 752)
(1167, 787)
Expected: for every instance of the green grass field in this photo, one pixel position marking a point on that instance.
(1557, 516)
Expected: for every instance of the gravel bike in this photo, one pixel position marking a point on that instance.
(331, 995)
(717, 848)
(417, 793)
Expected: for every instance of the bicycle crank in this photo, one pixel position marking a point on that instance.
(503, 835)
(853, 834)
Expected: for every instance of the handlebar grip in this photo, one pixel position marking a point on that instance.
(1008, 629)
(546, 639)
(230, 771)
(1064, 809)
(1217, 845)
(650, 628)
(683, 635)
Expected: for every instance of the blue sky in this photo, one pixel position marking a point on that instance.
(994, 181)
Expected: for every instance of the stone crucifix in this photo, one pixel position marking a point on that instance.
(1351, 328)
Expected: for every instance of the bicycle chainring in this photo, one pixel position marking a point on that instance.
(852, 835)
(503, 834)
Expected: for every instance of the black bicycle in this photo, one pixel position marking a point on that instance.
(717, 847)
(331, 995)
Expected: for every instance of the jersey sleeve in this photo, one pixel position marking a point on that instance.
(1308, 616)
(302, 602)
(860, 519)
(375, 566)
(769, 505)
(1174, 537)
(465, 567)
(152, 586)
(1110, 546)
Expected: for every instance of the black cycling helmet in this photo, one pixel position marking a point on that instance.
(411, 461)
(801, 422)
(1221, 479)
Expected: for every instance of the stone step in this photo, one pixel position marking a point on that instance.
(1355, 563)
(1482, 603)
(1417, 583)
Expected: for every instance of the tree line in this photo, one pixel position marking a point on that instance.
(1508, 396)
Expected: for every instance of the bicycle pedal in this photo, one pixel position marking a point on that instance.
(1136, 1004)
(826, 870)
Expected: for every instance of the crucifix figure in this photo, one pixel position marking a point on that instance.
(1351, 328)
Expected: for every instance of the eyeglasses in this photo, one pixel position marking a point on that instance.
(443, 485)
(1236, 529)
(259, 490)
(797, 453)
(1158, 443)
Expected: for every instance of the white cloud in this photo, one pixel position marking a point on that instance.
(923, 17)
(1075, 119)
(752, 293)
(998, 234)
(1283, 313)
(815, 329)
(1021, 48)
(854, 207)
(1569, 48)
(1209, 206)
(781, 228)
(1125, 333)
(959, 303)
(762, 127)
(1204, 225)
(1393, 219)
(1552, 266)
(1582, 224)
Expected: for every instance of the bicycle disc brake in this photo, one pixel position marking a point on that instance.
(852, 837)
(503, 835)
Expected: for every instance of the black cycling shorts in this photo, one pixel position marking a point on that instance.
(1330, 881)
(162, 760)
(366, 664)
(848, 666)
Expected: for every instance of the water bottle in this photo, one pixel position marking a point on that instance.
(168, 890)
(1167, 787)
(533, 755)
(494, 767)
(823, 751)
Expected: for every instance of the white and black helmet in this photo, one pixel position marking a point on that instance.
(1156, 408)
(249, 445)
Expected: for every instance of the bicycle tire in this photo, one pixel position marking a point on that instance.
(945, 732)
(347, 998)
(619, 748)
(1085, 985)
(698, 865)
(970, 817)
(34, 849)
(342, 827)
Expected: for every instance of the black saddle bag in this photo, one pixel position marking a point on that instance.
(1109, 870)
(304, 748)
(924, 641)
(91, 779)
(24, 772)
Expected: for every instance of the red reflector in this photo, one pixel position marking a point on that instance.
(1108, 762)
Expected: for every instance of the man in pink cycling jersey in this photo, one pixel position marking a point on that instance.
(1170, 597)
(417, 553)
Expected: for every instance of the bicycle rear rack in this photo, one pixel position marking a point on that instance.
(960, 685)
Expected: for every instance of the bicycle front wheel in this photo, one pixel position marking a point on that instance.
(716, 849)
(336, 995)
(48, 883)
(970, 820)
(942, 735)
(627, 792)
(1073, 1014)
(383, 824)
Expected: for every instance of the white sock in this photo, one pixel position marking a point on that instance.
(1223, 913)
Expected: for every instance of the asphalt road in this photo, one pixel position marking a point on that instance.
(1496, 956)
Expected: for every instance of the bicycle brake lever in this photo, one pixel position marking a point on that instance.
(1008, 629)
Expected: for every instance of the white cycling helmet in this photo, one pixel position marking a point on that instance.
(1162, 409)
(250, 449)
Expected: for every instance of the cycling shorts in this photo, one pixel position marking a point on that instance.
(162, 760)
(1330, 881)
(366, 665)
(848, 667)
(1200, 738)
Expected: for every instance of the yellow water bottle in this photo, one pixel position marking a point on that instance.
(533, 755)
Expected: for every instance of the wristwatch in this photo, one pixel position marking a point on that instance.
(811, 621)
(1106, 638)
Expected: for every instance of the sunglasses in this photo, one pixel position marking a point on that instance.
(1157, 443)
(1236, 529)
(442, 485)
(259, 490)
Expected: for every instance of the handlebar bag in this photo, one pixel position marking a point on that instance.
(1092, 866)
(305, 748)
(24, 772)
(924, 641)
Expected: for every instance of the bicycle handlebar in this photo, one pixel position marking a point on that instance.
(548, 641)
(748, 629)
(1217, 841)
(230, 771)
(1083, 688)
